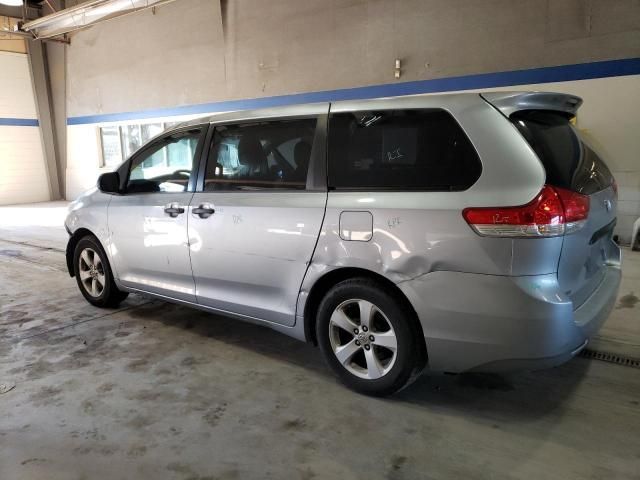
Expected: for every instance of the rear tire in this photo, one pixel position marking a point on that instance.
(369, 338)
(93, 274)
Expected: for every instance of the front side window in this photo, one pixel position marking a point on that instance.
(166, 165)
(400, 149)
(256, 156)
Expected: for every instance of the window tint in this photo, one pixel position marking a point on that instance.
(166, 166)
(400, 149)
(568, 161)
(273, 154)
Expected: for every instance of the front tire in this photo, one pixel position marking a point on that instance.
(369, 338)
(93, 274)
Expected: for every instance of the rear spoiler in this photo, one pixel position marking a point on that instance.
(511, 102)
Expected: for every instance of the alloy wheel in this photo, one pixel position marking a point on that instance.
(362, 339)
(91, 272)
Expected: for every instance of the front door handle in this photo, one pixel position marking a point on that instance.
(204, 211)
(173, 209)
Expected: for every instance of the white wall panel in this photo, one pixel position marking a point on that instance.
(16, 93)
(23, 175)
(83, 159)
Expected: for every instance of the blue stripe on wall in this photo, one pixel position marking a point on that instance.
(19, 122)
(564, 73)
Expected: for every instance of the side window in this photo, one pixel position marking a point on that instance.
(255, 156)
(400, 149)
(166, 166)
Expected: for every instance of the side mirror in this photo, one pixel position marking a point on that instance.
(109, 182)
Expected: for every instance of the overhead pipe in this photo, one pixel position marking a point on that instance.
(85, 15)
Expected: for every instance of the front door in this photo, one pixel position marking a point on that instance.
(148, 222)
(254, 222)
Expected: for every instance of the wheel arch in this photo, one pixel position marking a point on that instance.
(332, 278)
(71, 246)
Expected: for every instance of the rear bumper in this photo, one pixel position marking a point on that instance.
(498, 323)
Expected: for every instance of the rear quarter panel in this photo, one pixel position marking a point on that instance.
(415, 233)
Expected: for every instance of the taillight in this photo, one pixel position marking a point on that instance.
(576, 209)
(614, 185)
(554, 211)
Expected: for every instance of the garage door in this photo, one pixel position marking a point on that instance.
(23, 176)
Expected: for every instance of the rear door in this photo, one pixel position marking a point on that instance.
(571, 164)
(255, 218)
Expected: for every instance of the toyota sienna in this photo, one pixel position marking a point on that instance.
(450, 232)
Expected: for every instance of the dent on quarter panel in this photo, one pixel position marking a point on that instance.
(407, 243)
(415, 233)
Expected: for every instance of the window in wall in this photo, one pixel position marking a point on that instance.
(273, 154)
(111, 146)
(120, 142)
(400, 149)
(166, 166)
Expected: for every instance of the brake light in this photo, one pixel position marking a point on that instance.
(614, 185)
(576, 209)
(554, 211)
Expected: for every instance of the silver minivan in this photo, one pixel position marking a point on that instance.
(449, 232)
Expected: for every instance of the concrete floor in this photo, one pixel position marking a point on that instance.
(153, 390)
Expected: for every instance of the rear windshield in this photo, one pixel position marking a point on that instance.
(568, 161)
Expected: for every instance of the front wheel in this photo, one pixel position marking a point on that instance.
(93, 274)
(368, 337)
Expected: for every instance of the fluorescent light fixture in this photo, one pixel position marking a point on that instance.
(12, 3)
(85, 15)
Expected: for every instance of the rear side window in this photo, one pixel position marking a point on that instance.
(400, 150)
(568, 161)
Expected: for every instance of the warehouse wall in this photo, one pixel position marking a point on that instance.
(195, 52)
(23, 174)
(192, 51)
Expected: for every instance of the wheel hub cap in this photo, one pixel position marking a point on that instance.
(91, 272)
(363, 339)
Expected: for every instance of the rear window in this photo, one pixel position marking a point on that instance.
(568, 161)
(400, 150)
